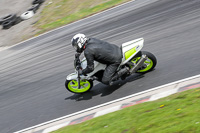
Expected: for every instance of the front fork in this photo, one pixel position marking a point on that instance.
(79, 79)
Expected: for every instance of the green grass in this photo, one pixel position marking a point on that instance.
(62, 12)
(178, 113)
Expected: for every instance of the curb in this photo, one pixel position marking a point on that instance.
(141, 97)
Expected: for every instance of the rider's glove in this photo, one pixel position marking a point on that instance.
(77, 55)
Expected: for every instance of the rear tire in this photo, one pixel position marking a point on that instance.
(149, 64)
(72, 86)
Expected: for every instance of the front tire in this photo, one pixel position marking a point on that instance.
(72, 86)
(149, 64)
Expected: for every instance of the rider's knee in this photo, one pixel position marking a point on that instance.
(105, 81)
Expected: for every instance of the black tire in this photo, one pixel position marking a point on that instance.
(38, 2)
(7, 24)
(17, 20)
(34, 8)
(1, 21)
(78, 91)
(27, 15)
(150, 63)
(8, 18)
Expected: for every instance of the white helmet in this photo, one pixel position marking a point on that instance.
(78, 42)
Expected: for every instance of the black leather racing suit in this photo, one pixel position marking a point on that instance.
(105, 53)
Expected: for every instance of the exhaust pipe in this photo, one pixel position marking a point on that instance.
(139, 64)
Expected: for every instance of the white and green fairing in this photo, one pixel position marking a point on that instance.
(97, 67)
(130, 49)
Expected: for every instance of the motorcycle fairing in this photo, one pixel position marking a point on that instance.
(97, 67)
(130, 49)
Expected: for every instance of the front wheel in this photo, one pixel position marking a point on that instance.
(148, 65)
(72, 86)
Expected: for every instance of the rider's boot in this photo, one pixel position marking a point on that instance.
(119, 74)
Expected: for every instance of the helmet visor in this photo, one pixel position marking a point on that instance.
(75, 44)
(75, 47)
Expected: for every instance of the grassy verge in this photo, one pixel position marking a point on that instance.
(178, 113)
(62, 12)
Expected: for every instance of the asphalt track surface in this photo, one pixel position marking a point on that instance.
(32, 74)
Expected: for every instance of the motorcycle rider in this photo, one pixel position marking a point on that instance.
(101, 51)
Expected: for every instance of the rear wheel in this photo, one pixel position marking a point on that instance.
(148, 65)
(72, 86)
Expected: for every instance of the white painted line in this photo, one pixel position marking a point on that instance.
(55, 127)
(3, 48)
(163, 94)
(114, 101)
(106, 111)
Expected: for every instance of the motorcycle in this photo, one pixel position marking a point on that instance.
(136, 60)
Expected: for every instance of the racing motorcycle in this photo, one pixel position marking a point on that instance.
(136, 60)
